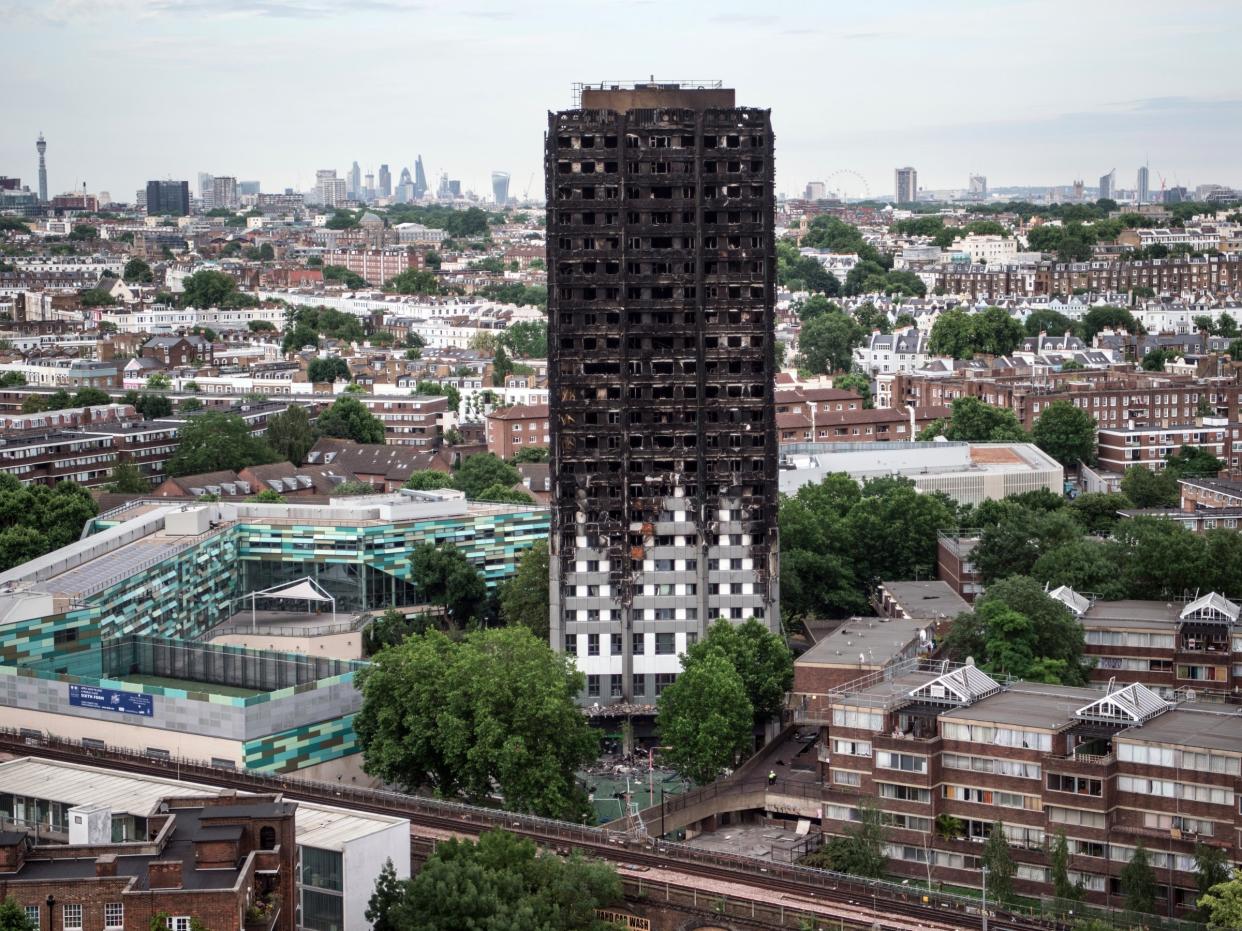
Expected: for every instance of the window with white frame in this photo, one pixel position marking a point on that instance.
(179, 923)
(114, 915)
(71, 916)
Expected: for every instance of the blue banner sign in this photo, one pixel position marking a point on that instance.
(90, 696)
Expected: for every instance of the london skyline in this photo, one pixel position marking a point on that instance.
(1026, 94)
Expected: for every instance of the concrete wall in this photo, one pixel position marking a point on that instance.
(335, 646)
(362, 860)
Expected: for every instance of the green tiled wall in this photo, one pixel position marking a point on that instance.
(302, 746)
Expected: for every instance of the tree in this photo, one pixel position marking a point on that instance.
(1108, 317)
(349, 418)
(503, 494)
(268, 496)
(354, 487)
(1097, 511)
(158, 381)
(858, 383)
(261, 326)
(975, 421)
(861, 851)
(90, 397)
(1154, 360)
(531, 454)
(1149, 489)
(483, 470)
(331, 369)
(37, 519)
(414, 281)
(494, 711)
(526, 339)
(429, 480)
(12, 380)
(208, 289)
(1223, 903)
(502, 367)
(290, 434)
(216, 441)
(524, 597)
(1064, 889)
(1050, 322)
(350, 279)
(484, 342)
(953, 334)
(150, 406)
(502, 882)
(1138, 882)
(827, 342)
(705, 718)
(97, 297)
(1159, 558)
(1211, 869)
(1193, 462)
(999, 864)
(1016, 623)
(995, 332)
(1083, 565)
(1066, 432)
(893, 530)
(388, 894)
(759, 657)
(444, 576)
(138, 272)
(82, 232)
(13, 917)
(127, 478)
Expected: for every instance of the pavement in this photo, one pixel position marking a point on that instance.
(754, 839)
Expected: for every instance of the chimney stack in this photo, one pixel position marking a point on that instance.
(164, 874)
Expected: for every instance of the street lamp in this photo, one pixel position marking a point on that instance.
(984, 871)
(51, 914)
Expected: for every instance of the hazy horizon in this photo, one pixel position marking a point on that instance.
(1024, 92)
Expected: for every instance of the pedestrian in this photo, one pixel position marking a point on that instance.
(771, 777)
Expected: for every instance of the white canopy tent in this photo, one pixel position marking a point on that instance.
(303, 589)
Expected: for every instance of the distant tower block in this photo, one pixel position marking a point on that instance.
(41, 145)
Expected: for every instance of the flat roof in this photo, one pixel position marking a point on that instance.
(75, 784)
(1049, 707)
(1190, 726)
(879, 638)
(928, 599)
(1151, 615)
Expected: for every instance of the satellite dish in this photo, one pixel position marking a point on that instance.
(923, 634)
(970, 661)
(861, 659)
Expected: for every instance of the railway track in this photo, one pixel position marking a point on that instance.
(808, 887)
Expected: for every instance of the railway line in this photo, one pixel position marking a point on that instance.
(892, 907)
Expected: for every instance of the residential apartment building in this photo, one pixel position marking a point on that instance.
(146, 444)
(987, 250)
(1149, 446)
(66, 373)
(45, 457)
(1114, 399)
(1170, 646)
(178, 351)
(375, 265)
(1110, 770)
(900, 351)
(661, 258)
(955, 565)
(867, 425)
(409, 421)
(906, 185)
(512, 429)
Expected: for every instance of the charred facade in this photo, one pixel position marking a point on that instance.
(661, 273)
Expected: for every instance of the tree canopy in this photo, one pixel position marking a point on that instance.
(444, 576)
(482, 471)
(526, 339)
(704, 717)
(1017, 629)
(38, 519)
(827, 340)
(760, 657)
(290, 434)
(330, 369)
(838, 539)
(498, 883)
(961, 334)
(493, 711)
(210, 288)
(524, 597)
(1066, 432)
(215, 441)
(349, 418)
(975, 421)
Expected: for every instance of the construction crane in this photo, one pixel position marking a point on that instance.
(529, 182)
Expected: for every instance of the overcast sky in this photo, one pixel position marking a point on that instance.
(1023, 91)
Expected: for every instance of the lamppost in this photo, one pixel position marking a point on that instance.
(984, 871)
(51, 912)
